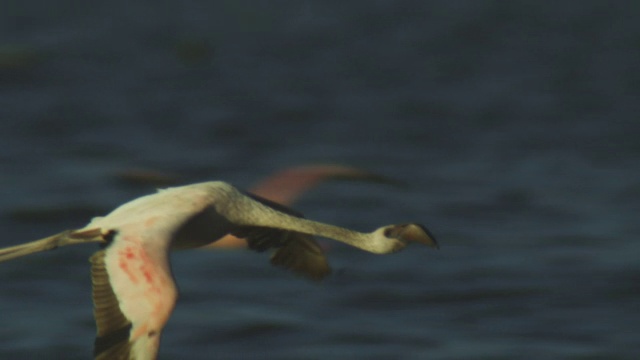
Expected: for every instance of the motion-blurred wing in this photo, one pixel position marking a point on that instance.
(294, 251)
(303, 256)
(113, 328)
(133, 295)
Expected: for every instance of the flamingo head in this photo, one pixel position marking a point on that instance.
(396, 237)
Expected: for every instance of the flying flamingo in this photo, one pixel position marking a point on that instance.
(133, 288)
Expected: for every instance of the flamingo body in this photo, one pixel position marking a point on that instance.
(133, 288)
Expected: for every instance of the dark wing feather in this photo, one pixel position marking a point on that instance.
(112, 338)
(303, 256)
(294, 251)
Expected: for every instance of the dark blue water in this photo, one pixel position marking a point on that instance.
(515, 125)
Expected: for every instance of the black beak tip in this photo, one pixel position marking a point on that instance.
(432, 240)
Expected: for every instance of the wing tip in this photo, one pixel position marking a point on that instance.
(304, 257)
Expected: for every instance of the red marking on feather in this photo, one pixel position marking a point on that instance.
(150, 221)
(147, 274)
(125, 268)
(128, 252)
(147, 269)
(125, 257)
(139, 332)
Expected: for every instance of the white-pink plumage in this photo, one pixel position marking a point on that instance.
(133, 288)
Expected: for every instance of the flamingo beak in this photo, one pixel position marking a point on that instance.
(414, 233)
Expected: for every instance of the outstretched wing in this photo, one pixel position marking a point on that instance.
(134, 295)
(113, 328)
(294, 251)
(302, 255)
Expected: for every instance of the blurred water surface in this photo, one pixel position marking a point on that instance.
(514, 123)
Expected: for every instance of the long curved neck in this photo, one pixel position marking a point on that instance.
(354, 238)
(242, 210)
